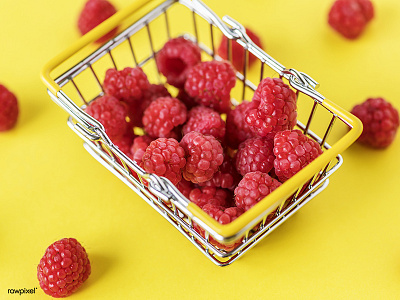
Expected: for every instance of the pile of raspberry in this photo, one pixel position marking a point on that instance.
(224, 159)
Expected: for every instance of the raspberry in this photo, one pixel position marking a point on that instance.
(255, 154)
(209, 195)
(380, 122)
(163, 115)
(277, 108)
(238, 50)
(237, 130)
(124, 143)
(204, 154)
(253, 188)
(186, 99)
(349, 17)
(127, 85)
(185, 187)
(110, 112)
(63, 268)
(8, 109)
(206, 121)
(164, 157)
(94, 13)
(293, 151)
(139, 146)
(176, 59)
(210, 83)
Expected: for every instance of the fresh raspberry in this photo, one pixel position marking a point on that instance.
(209, 195)
(210, 83)
(124, 143)
(238, 50)
(8, 109)
(63, 268)
(110, 112)
(277, 108)
(139, 146)
(185, 187)
(127, 85)
(186, 99)
(293, 151)
(253, 188)
(255, 154)
(237, 130)
(164, 157)
(176, 58)
(349, 17)
(94, 13)
(206, 121)
(380, 122)
(204, 154)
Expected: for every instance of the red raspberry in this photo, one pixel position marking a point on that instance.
(255, 154)
(164, 157)
(176, 59)
(349, 17)
(94, 13)
(63, 268)
(185, 187)
(204, 154)
(163, 115)
(127, 85)
(206, 121)
(139, 146)
(253, 188)
(110, 112)
(209, 195)
(380, 122)
(277, 108)
(8, 109)
(210, 83)
(238, 50)
(186, 99)
(237, 130)
(124, 143)
(293, 151)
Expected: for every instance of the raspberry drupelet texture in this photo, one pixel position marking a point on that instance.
(210, 83)
(94, 13)
(128, 85)
(204, 155)
(276, 110)
(110, 112)
(380, 122)
(238, 50)
(176, 58)
(206, 121)
(350, 17)
(8, 109)
(253, 188)
(293, 151)
(164, 157)
(209, 195)
(255, 154)
(185, 187)
(163, 115)
(139, 146)
(63, 268)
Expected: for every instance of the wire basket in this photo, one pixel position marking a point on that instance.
(74, 79)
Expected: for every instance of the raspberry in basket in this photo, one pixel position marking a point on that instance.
(255, 154)
(186, 99)
(238, 50)
(209, 195)
(185, 187)
(163, 115)
(277, 108)
(139, 146)
(164, 157)
(349, 17)
(94, 13)
(176, 58)
(63, 268)
(124, 143)
(254, 187)
(293, 151)
(204, 155)
(206, 121)
(127, 85)
(380, 122)
(110, 112)
(210, 83)
(8, 109)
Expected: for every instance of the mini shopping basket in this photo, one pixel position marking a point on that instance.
(74, 79)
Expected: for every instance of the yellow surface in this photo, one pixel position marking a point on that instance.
(344, 245)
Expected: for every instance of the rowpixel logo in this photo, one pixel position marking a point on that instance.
(22, 291)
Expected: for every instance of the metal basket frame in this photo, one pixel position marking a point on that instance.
(157, 191)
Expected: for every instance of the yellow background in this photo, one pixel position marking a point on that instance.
(345, 244)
